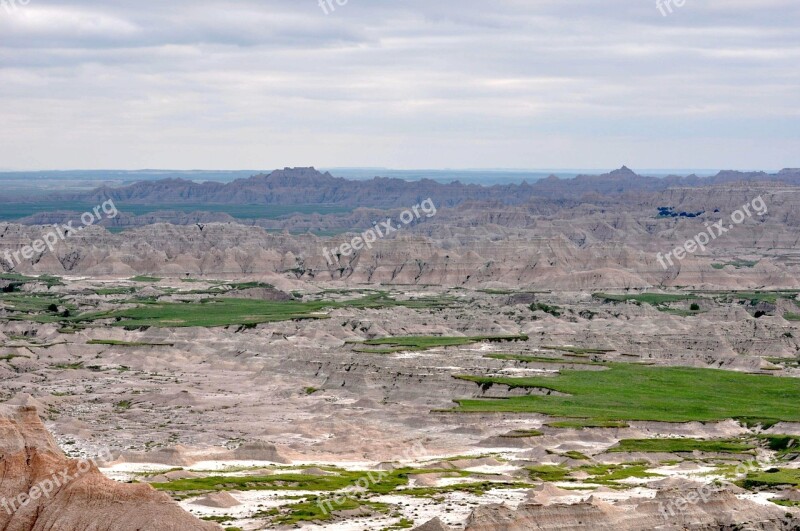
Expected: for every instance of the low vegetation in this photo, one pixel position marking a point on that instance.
(578, 351)
(114, 342)
(783, 444)
(599, 473)
(772, 477)
(539, 359)
(287, 481)
(681, 445)
(419, 343)
(145, 278)
(48, 280)
(626, 392)
(314, 509)
(756, 297)
(522, 434)
(36, 307)
(215, 312)
(555, 311)
(579, 424)
(738, 264)
(653, 299)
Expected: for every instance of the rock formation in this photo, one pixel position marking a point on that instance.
(43, 490)
(715, 511)
(305, 186)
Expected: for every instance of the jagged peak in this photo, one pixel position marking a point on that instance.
(624, 171)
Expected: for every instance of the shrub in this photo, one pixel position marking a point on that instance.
(552, 310)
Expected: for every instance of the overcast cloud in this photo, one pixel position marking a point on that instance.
(399, 83)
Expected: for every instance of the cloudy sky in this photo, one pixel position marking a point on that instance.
(399, 83)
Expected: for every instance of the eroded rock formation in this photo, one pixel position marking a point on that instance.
(42, 490)
(714, 511)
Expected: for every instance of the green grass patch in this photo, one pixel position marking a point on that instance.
(786, 503)
(549, 473)
(659, 300)
(37, 307)
(403, 523)
(756, 297)
(114, 291)
(315, 509)
(626, 392)
(680, 445)
(611, 474)
(145, 278)
(574, 454)
(69, 366)
(16, 277)
(380, 482)
(478, 488)
(114, 342)
(231, 311)
(654, 299)
(48, 280)
(581, 351)
(250, 285)
(738, 264)
(783, 444)
(772, 478)
(600, 473)
(521, 434)
(289, 482)
(418, 343)
(555, 311)
(538, 359)
(579, 424)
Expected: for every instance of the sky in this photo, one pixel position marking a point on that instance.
(195, 84)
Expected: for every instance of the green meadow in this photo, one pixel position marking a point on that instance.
(247, 312)
(419, 343)
(626, 392)
(772, 478)
(680, 445)
(647, 298)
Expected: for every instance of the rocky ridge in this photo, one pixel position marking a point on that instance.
(77, 495)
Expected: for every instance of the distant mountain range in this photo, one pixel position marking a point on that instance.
(307, 186)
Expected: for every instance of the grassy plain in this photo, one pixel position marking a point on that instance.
(680, 445)
(639, 392)
(418, 343)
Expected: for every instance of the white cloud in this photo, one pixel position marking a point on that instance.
(407, 83)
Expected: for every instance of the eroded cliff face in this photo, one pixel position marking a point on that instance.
(714, 511)
(42, 490)
(600, 244)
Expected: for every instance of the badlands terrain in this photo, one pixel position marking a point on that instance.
(519, 359)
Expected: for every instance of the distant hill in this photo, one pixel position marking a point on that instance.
(307, 186)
